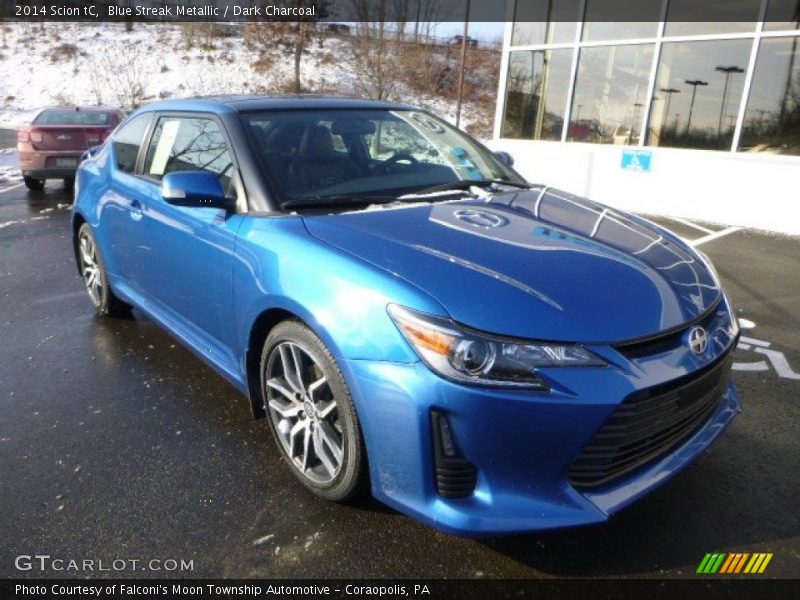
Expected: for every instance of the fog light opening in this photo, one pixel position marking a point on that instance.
(455, 476)
(448, 445)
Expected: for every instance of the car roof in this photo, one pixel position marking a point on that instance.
(246, 103)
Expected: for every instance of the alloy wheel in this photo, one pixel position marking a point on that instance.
(90, 269)
(304, 413)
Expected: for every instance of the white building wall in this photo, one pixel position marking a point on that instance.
(728, 187)
(760, 191)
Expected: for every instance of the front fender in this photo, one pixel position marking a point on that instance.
(343, 299)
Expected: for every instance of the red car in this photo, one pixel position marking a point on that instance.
(51, 146)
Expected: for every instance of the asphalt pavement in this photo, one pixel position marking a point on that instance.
(8, 138)
(116, 442)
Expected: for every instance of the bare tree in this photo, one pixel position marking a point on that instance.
(371, 50)
(123, 73)
(290, 38)
(189, 34)
(426, 17)
(129, 20)
(400, 15)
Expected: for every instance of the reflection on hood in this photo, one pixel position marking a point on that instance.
(539, 263)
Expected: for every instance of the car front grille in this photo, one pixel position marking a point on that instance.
(668, 340)
(649, 423)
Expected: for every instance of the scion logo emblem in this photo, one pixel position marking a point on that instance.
(698, 340)
(481, 218)
(308, 408)
(64, 137)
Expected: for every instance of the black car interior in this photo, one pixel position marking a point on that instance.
(317, 164)
(305, 157)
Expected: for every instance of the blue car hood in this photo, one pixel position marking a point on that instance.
(538, 264)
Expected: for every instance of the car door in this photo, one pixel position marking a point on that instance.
(186, 261)
(120, 205)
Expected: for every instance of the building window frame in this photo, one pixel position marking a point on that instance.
(756, 36)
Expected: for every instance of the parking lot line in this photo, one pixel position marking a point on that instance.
(714, 236)
(689, 223)
(8, 189)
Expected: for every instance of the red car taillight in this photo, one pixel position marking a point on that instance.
(97, 136)
(36, 136)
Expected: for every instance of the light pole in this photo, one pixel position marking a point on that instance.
(462, 66)
(668, 91)
(728, 72)
(694, 83)
(637, 106)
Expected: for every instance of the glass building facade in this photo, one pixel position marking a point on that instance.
(661, 81)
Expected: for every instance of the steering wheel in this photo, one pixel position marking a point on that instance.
(398, 159)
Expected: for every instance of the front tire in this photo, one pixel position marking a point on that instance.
(311, 413)
(94, 277)
(34, 183)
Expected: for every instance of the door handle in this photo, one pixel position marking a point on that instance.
(136, 210)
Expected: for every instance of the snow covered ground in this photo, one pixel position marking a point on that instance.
(70, 63)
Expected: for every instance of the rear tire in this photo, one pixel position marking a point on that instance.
(93, 272)
(33, 183)
(311, 414)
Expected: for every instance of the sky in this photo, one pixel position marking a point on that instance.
(483, 31)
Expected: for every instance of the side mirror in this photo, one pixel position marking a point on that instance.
(505, 158)
(195, 189)
(91, 152)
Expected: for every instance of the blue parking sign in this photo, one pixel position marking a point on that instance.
(637, 160)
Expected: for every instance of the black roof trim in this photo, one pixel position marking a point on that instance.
(249, 102)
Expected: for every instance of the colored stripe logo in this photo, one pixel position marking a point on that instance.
(734, 562)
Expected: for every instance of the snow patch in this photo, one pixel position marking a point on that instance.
(263, 539)
(37, 73)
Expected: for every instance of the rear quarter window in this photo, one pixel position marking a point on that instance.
(127, 140)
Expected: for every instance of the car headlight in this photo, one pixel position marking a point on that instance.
(709, 265)
(734, 329)
(469, 357)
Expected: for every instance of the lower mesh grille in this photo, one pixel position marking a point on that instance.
(455, 478)
(649, 423)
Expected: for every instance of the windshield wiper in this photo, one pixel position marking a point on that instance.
(351, 200)
(340, 200)
(465, 184)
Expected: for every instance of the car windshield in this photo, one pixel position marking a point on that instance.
(344, 156)
(93, 118)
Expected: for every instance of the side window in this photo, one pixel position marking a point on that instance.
(189, 144)
(127, 142)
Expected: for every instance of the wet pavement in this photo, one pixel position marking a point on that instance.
(9, 163)
(116, 442)
(8, 138)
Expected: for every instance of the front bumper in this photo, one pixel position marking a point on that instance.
(521, 442)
